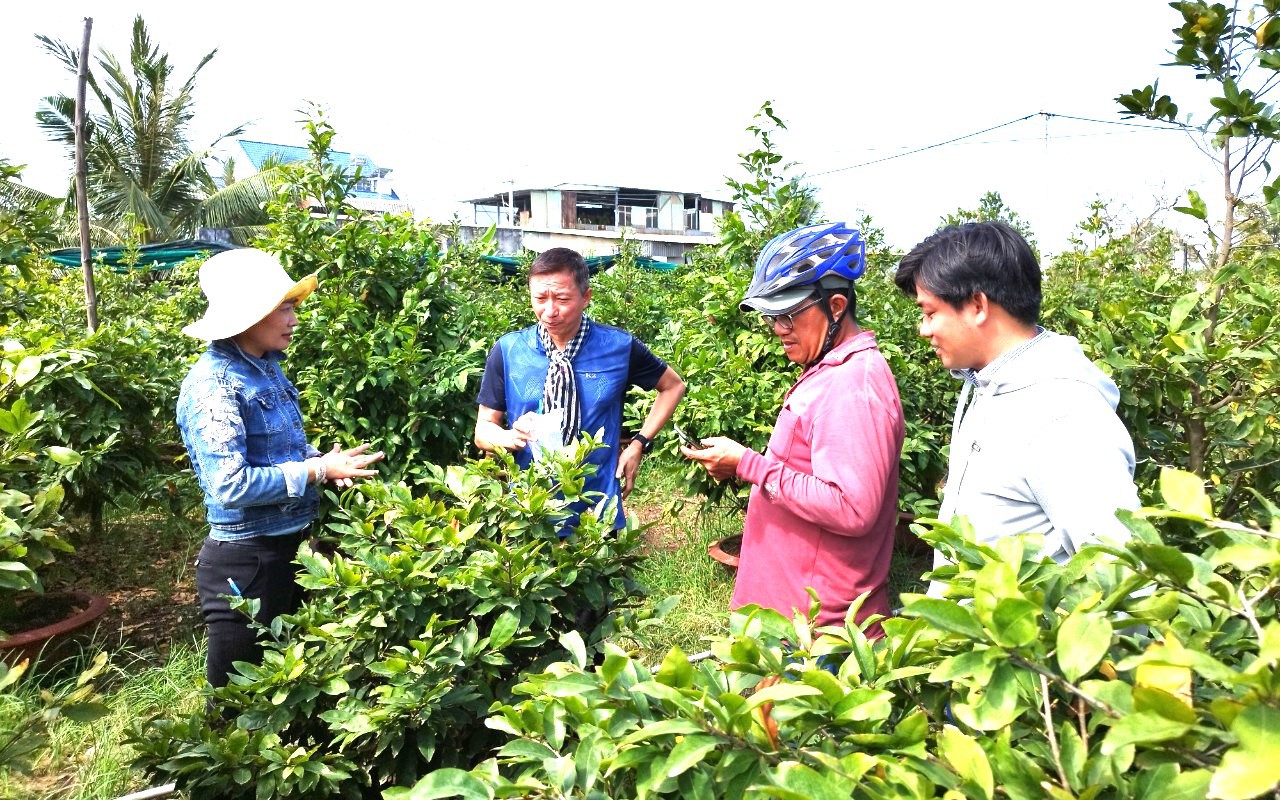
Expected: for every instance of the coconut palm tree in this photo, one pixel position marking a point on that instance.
(142, 169)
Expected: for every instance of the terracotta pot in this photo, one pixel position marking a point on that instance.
(29, 644)
(726, 550)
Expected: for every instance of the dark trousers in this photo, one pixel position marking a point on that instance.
(260, 567)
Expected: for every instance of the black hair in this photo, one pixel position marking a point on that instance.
(959, 261)
(563, 259)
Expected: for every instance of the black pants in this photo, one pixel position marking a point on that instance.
(260, 567)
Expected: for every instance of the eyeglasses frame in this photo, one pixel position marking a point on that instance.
(786, 322)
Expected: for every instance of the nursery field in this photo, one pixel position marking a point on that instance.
(451, 644)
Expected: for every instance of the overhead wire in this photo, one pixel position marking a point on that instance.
(1174, 126)
(926, 147)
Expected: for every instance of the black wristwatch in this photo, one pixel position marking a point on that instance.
(646, 444)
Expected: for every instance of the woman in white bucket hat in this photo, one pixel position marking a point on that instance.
(243, 430)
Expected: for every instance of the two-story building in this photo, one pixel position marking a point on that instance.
(591, 219)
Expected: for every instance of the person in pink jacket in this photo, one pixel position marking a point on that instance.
(824, 496)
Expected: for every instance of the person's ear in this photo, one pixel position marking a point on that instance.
(586, 297)
(981, 305)
(838, 304)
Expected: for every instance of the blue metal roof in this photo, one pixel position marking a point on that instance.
(259, 152)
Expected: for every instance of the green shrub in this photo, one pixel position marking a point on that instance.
(382, 352)
(435, 603)
(1136, 671)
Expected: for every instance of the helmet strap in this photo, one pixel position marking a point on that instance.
(833, 326)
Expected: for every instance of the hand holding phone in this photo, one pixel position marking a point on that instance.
(689, 440)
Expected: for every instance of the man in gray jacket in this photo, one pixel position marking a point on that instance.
(1036, 445)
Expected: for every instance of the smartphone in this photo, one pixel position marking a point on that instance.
(687, 439)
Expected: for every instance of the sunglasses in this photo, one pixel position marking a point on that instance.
(787, 322)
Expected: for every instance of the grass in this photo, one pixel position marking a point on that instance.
(89, 761)
(142, 564)
(703, 585)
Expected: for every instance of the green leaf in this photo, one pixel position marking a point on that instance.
(687, 753)
(504, 628)
(781, 692)
(1192, 785)
(946, 615)
(676, 671)
(64, 455)
(967, 758)
(1184, 492)
(28, 369)
(1083, 639)
(802, 782)
(1248, 557)
(1142, 727)
(449, 783)
(975, 663)
(335, 686)
(1015, 622)
(1196, 207)
(1181, 308)
(572, 641)
(996, 703)
(666, 727)
(1164, 703)
(526, 749)
(85, 712)
(1252, 767)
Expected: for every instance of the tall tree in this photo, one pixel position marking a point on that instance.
(142, 170)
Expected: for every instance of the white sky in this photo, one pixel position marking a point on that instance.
(461, 97)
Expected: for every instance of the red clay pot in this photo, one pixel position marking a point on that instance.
(86, 609)
(726, 550)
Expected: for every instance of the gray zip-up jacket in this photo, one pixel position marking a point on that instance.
(1036, 446)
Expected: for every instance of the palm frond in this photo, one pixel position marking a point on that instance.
(58, 119)
(243, 202)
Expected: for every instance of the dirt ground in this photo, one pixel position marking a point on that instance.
(143, 566)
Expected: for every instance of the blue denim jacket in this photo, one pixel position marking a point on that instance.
(242, 427)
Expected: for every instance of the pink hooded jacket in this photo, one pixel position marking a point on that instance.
(825, 497)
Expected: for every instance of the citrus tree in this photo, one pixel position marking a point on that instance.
(1131, 671)
(1203, 371)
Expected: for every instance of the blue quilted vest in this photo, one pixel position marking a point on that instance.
(602, 369)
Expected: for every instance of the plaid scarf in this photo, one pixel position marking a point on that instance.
(561, 387)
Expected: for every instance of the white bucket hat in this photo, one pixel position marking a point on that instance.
(243, 286)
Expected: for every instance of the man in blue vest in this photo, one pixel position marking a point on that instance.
(572, 374)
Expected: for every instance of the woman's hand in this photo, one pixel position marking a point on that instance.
(342, 467)
(719, 455)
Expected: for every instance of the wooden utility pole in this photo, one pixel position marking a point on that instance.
(82, 180)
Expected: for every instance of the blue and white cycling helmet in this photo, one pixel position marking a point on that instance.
(831, 255)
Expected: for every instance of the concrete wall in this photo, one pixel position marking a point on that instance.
(508, 239)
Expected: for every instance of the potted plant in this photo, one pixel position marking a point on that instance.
(29, 518)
